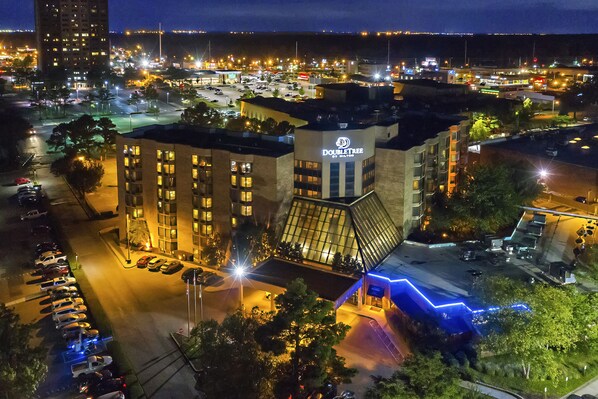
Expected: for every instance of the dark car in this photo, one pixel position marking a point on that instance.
(144, 260)
(171, 267)
(210, 279)
(65, 294)
(29, 201)
(187, 275)
(583, 200)
(468, 255)
(105, 387)
(53, 272)
(90, 380)
(40, 229)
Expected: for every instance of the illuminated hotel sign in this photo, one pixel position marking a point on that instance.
(343, 149)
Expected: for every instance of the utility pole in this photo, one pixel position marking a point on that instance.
(465, 59)
(388, 55)
(160, 39)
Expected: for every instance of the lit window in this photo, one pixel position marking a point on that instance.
(194, 160)
(126, 161)
(246, 210)
(233, 221)
(195, 214)
(246, 196)
(246, 182)
(159, 180)
(195, 173)
(246, 167)
(159, 167)
(416, 184)
(170, 155)
(233, 180)
(160, 193)
(206, 202)
(206, 216)
(233, 166)
(172, 233)
(195, 227)
(159, 154)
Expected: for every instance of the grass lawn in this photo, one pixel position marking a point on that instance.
(572, 366)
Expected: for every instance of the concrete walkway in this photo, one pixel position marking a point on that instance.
(489, 391)
(590, 387)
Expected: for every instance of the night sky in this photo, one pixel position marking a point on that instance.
(507, 16)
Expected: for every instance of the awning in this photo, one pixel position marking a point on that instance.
(374, 290)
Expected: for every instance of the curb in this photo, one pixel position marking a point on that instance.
(183, 352)
(26, 298)
(112, 249)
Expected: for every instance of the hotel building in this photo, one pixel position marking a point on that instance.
(348, 188)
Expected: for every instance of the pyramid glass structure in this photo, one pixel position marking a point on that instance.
(362, 229)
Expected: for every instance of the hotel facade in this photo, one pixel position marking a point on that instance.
(353, 189)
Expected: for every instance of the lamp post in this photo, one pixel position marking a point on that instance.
(195, 297)
(117, 89)
(239, 274)
(167, 94)
(128, 241)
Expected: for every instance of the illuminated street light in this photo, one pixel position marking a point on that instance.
(239, 273)
(543, 173)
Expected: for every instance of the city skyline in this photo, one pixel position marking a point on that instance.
(483, 16)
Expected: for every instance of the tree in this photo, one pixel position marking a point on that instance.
(276, 93)
(422, 376)
(529, 336)
(253, 243)
(2, 86)
(85, 176)
(202, 115)
(305, 329)
(14, 129)
(214, 252)
(232, 364)
(107, 130)
(150, 94)
(139, 232)
(104, 97)
(301, 91)
(135, 99)
(293, 252)
(247, 94)
(483, 126)
(22, 367)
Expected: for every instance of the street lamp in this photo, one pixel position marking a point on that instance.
(167, 94)
(239, 274)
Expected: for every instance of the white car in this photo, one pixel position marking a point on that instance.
(58, 313)
(34, 214)
(91, 365)
(48, 259)
(67, 319)
(57, 282)
(69, 290)
(62, 303)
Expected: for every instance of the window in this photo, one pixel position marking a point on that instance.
(350, 179)
(206, 216)
(159, 180)
(206, 229)
(170, 155)
(195, 227)
(334, 177)
(159, 167)
(195, 214)
(195, 173)
(233, 167)
(171, 195)
(246, 182)
(160, 194)
(246, 210)
(169, 169)
(245, 167)
(233, 221)
(159, 155)
(416, 185)
(194, 160)
(233, 180)
(246, 196)
(206, 202)
(126, 161)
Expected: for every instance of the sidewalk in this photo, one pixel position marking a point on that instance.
(488, 390)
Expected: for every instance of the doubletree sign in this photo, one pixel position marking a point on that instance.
(343, 149)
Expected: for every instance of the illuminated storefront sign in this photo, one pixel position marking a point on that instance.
(343, 149)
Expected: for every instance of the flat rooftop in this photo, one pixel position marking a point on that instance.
(440, 275)
(571, 153)
(417, 127)
(280, 273)
(236, 142)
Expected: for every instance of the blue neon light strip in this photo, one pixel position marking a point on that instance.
(447, 305)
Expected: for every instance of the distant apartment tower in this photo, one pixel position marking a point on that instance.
(72, 37)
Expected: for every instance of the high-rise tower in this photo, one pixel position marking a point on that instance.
(72, 37)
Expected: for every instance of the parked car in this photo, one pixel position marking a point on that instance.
(68, 310)
(34, 214)
(57, 282)
(171, 267)
(91, 365)
(67, 291)
(61, 303)
(113, 388)
(67, 319)
(144, 260)
(73, 330)
(87, 337)
(583, 200)
(63, 263)
(40, 229)
(54, 272)
(468, 255)
(49, 258)
(46, 247)
(187, 275)
(29, 201)
(22, 180)
(25, 188)
(93, 379)
(155, 264)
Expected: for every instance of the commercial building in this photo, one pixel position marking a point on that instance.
(72, 37)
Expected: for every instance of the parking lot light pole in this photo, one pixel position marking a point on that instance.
(201, 302)
(194, 298)
(188, 312)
